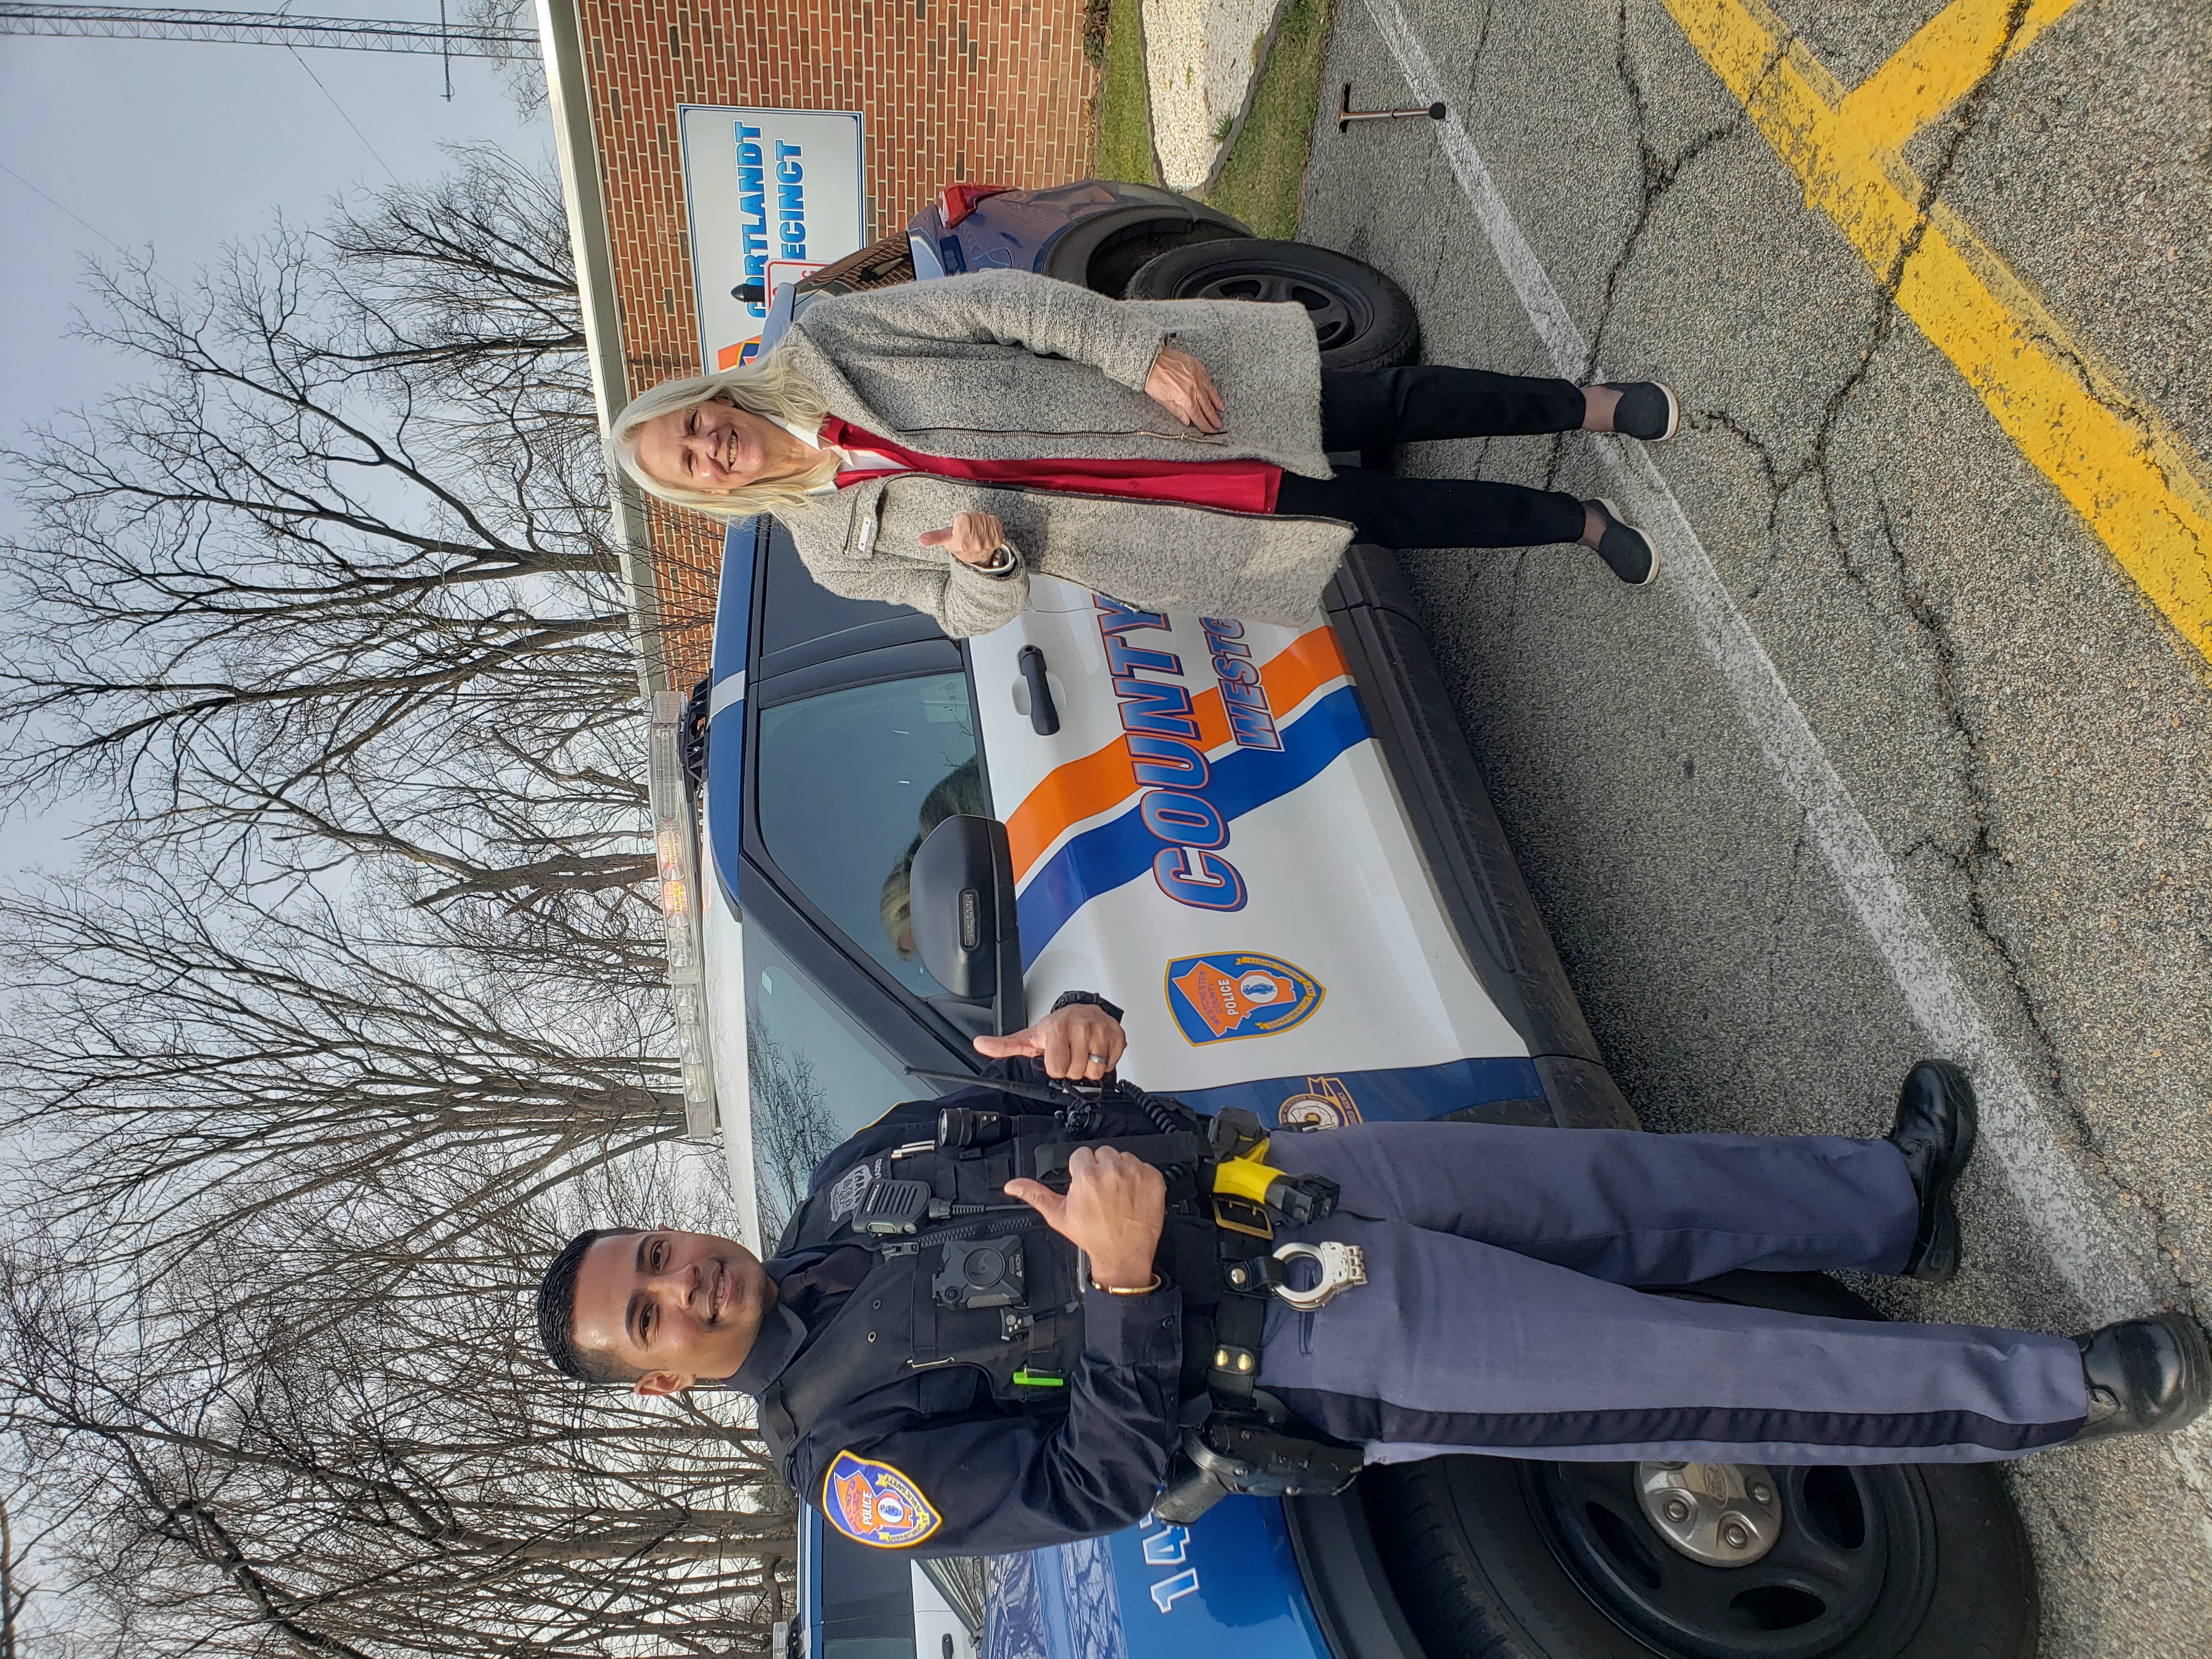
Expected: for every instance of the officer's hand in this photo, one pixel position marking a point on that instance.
(1114, 1211)
(1081, 1040)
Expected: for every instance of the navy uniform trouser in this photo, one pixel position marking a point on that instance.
(1498, 1317)
(1375, 408)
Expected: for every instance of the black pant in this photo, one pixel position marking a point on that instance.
(1371, 408)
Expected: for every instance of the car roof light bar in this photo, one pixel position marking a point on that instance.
(676, 848)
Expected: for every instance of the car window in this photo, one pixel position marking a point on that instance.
(867, 1600)
(816, 1076)
(849, 783)
(797, 609)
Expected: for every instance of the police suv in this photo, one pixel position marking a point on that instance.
(1271, 845)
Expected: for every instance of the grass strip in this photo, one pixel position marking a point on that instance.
(1264, 175)
(1125, 104)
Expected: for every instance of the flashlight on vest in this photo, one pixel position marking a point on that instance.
(967, 1126)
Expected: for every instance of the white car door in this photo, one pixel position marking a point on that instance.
(1209, 836)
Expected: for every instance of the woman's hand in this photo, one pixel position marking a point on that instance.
(1114, 1211)
(971, 537)
(1180, 384)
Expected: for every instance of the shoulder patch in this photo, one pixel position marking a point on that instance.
(872, 1502)
(852, 1187)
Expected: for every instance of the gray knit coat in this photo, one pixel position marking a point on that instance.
(1006, 365)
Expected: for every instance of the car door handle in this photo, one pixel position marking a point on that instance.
(1044, 716)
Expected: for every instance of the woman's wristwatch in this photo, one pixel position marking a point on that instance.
(1002, 564)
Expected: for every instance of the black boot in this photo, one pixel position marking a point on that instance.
(2145, 1376)
(1936, 1118)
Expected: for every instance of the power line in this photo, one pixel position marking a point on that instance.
(60, 208)
(344, 117)
(267, 28)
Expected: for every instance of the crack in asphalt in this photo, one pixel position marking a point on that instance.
(1973, 858)
(2046, 1187)
(1659, 174)
(1554, 457)
(1965, 117)
(1974, 852)
(1481, 41)
(1719, 420)
(1972, 862)
(1436, 265)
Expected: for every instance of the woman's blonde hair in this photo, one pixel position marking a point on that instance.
(770, 387)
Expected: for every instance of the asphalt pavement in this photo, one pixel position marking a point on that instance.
(1908, 750)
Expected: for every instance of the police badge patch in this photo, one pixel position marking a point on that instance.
(1226, 995)
(872, 1502)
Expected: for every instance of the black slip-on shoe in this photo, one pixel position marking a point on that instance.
(1647, 411)
(1627, 549)
(1937, 1120)
(2146, 1375)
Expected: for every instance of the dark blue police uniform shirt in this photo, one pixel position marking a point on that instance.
(997, 1479)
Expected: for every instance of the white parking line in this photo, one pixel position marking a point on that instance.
(2082, 1244)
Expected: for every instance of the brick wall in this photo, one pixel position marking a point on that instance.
(990, 90)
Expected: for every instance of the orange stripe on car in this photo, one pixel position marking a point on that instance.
(1080, 789)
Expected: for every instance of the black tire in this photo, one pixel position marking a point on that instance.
(1496, 1558)
(1362, 318)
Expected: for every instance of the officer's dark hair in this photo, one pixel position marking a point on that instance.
(556, 1311)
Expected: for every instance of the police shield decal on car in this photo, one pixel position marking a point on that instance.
(1225, 995)
(1326, 1104)
(872, 1502)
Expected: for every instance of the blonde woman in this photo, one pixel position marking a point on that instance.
(934, 445)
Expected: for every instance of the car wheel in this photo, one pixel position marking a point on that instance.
(1360, 317)
(1499, 1558)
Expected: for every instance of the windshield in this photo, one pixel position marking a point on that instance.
(850, 783)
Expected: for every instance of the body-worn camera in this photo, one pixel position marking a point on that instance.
(980, 1273)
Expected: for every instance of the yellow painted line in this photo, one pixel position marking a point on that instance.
(1939, 66)
(2136, 485)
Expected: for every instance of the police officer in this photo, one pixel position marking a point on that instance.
(939, 1369)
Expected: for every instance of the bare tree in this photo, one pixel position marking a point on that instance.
(467, 284)
(338, 573)
(390, 1482)
(171, 1038)
(525, 78)
(354, 1012)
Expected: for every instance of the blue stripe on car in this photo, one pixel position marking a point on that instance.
(1117, 852)
(1399, 1094)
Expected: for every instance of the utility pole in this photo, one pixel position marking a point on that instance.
(7, 1589)
(267, 28)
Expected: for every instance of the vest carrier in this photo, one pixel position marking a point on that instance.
(965, 1276)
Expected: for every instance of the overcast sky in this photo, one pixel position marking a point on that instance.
(186, 145)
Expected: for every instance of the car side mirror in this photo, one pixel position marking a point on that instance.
(960, 894)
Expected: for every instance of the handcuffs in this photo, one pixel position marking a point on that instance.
(1342, 1266)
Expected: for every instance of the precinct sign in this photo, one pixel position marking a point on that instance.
(763, 188)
